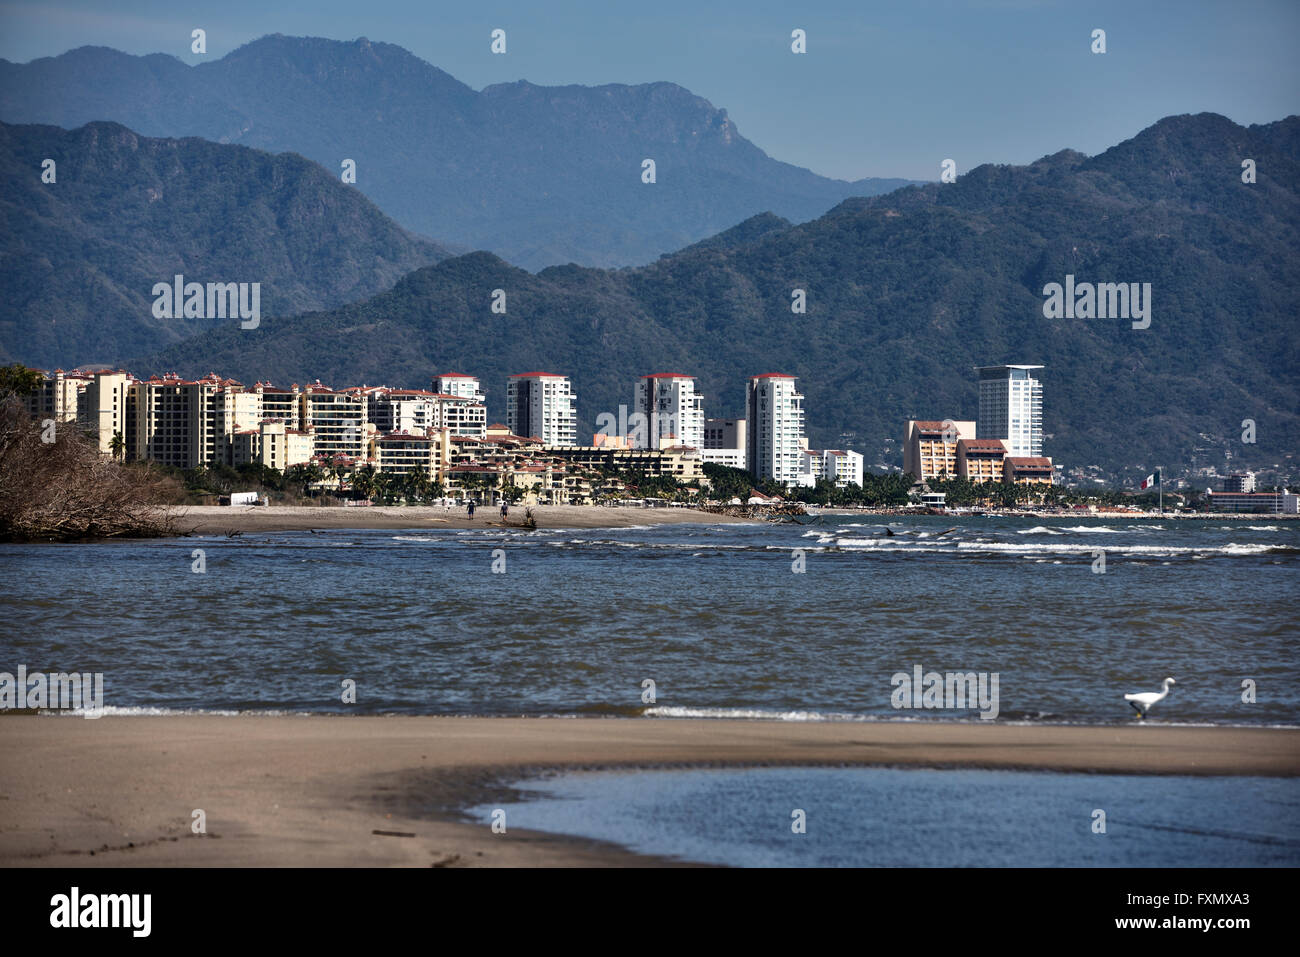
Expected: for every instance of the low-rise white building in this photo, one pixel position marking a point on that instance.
(732, 458)
(840, 466)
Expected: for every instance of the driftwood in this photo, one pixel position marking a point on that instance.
(65, 489)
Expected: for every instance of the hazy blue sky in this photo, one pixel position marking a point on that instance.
(885, 89)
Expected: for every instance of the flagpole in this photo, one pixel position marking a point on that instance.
(1160, 482)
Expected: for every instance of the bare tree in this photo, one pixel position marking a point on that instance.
(64, 489)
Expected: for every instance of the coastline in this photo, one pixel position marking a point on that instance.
(223, 519)
(314, 790)
(1040, 513)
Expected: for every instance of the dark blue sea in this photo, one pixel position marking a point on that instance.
(715, 615)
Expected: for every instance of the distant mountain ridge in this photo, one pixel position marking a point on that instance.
(538, 175)
(80, 256)
(906, 294)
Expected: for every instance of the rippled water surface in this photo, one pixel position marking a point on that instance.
(714, 614)
(887, 817)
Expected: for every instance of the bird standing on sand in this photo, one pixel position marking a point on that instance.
(1143, 701)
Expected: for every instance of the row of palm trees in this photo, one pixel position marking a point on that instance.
(389, 488)
(962, 491)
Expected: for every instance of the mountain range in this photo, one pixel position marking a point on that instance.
(80, 255)
(538, 175)
(906, 293)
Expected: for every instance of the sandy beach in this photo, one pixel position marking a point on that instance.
(384, 791)
(221, 519)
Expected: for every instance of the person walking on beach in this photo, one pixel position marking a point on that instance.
(505, 510)
(471, 510)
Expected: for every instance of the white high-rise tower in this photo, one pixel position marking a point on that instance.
(776, 442)
(543, 405)
(1011, 408)
(671, 407)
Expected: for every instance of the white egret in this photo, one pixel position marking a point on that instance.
(1143, 701)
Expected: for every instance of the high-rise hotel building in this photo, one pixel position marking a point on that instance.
(774, 415)
(543, 405)
(462, 386)
(672, 408)
(1011, 408)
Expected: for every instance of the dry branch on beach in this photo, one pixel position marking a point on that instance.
(64, 489)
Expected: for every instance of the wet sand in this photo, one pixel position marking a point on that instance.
(221, 519)
(319, 790)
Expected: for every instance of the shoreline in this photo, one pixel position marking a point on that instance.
(121, 791)
(224, 519)
(1006, 513)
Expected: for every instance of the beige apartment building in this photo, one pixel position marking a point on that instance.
(337, 420)
(1028, 470)
(167, 422)
(398, 410)
(187, 423)
(930, 447)
(682, 462)
(282, 404)
(403, 453)
(103, 408)
(273, 445)
(58, 396)
(230, 408)
(980, 460)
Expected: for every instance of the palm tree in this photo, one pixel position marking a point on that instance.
(365, 481)
(384, 486)
(118, 446)
(418, 485)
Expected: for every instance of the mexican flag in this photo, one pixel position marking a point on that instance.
(1150, 480)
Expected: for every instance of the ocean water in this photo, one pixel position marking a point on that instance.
(888, 817)
(716, 615)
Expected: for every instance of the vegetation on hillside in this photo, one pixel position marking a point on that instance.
(906, 293)
(80, 256)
